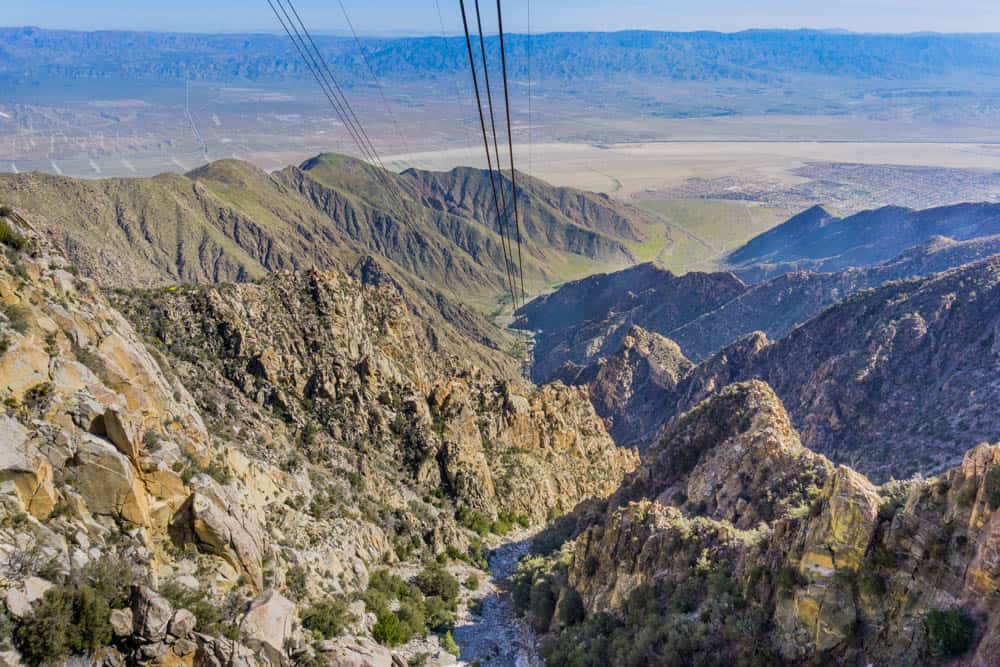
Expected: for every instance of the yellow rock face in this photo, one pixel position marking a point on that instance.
(36, 491)
(25, 365)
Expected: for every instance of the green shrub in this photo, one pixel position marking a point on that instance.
(17, 317)
(542, 605)
(435, 580)
(472, 582)
(571, 611)
(992, 485)
(6, 630)
(412, 617)
(212, 619)
(473, 520)
(438, 613)
(326, 619)
(388, 630)
(786, 579)
(449, 644)
(950, 632)
(9, 236)
(67, 620)
(871, 583)
(5, 211)
(295, 582)
(501, 527)
(112, 577)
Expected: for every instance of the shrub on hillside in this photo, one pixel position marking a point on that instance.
(10, 237)
(327, 618)
(435, 580)
(950, 632)
(571, 610)
(449, 644)
(67, 620)
(389, 631)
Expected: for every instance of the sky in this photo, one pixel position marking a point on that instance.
(416, 17)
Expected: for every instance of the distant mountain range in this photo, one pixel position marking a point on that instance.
(753, 55)
(431, 234)
(819, 240)
(859, 351)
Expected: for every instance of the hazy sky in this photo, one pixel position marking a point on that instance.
(421, 17)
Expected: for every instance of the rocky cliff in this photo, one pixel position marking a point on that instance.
(628, 388)
(587, 319)
(220, 482)
(733, 544)
(892, 381)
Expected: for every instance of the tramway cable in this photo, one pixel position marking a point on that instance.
(510, 146)
(486, 145)
(505, 228)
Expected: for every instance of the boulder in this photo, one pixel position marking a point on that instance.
(237, 541)
(23, 467)
(24, 366)
(122, 622)
(182, 624)
(117, 428)
(20, 599)
(10, 659)
(152, 614)
(354, 652)
(184, 647)
(219, 652)
(270, 622)
(109, 483)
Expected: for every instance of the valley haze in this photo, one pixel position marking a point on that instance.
(701, 367)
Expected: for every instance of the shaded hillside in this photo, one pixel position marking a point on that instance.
(231, 221)
(583, 321)
(818, 240)
(893, 381)
(732, 542)
(584, 223)
(586, 319)
(628, 387)
(779, 304)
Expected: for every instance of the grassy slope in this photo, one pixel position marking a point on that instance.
(698, 232)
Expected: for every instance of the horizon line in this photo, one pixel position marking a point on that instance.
(402, 34)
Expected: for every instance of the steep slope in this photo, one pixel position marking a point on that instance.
(817, 240)
(628, 388)
(732, 543)
(324, 437)
(586, 224)
(893, 381)
(229, 221)
(779, 304)
(588, 318)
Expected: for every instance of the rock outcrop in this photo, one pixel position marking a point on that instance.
(628, 388)
(252, 452)
(785, 561)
